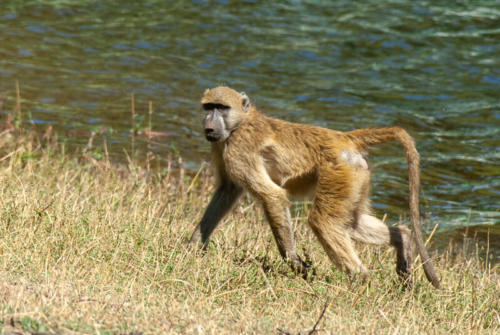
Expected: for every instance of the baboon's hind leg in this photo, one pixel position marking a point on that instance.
(337, 243)
(369, 229)
(331, 216)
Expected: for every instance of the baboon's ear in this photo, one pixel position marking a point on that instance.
(245, 101)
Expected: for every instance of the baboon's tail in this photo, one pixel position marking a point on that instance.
(365, 138)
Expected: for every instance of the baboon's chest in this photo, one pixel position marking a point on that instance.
(295, 173)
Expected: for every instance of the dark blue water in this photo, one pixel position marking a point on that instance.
(431, 67)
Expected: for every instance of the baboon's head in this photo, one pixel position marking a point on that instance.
(224, 109)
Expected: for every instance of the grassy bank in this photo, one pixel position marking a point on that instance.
(88, 247)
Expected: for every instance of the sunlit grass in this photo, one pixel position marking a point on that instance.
(90, 247)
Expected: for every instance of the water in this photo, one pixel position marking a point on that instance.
(430, 67)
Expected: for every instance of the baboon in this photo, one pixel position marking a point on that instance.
(274, 159)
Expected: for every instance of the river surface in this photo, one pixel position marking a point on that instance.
(432, 67)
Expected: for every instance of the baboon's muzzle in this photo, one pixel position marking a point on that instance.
(211, 135)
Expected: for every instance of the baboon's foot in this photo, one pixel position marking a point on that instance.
(403, 267)
(405, 259)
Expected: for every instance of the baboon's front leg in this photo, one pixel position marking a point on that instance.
(279, 219)
(223, 200)
(275, 202)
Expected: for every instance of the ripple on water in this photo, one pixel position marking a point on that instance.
(430, 67)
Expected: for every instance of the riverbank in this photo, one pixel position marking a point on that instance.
(87, 246)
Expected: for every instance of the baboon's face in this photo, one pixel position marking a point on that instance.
(225, 109)
(216, 122)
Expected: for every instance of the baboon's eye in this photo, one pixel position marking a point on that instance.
(221, 107)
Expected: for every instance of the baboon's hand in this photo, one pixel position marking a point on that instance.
(299, 266)
(195, 239)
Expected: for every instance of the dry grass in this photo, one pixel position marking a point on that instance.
(87, 247)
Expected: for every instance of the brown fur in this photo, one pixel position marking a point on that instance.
(275, 159)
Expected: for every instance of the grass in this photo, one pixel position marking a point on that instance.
(95, 248)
